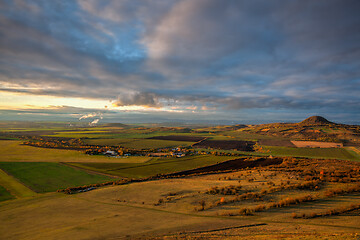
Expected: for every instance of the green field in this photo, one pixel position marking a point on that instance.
(128, 134)
(242, 135)
(338, 153)
(14, 186)
(153, 143)
(96, 133)
(137, 143)
(5, 195)
(106, 141)
(14, 151)
(154, 166)
(48, 177)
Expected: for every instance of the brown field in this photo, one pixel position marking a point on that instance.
(179, 138)
(226, 145)
(312, 144)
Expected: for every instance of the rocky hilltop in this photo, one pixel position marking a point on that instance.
(315, 120)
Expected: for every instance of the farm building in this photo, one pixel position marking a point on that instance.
(178, 154)
(111, 153)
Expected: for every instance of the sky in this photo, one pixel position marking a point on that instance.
(204, 61)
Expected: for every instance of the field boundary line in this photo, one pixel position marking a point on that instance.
(68, 164)
(221, 229)
(156, 163)
(16, 188)
(311, 224)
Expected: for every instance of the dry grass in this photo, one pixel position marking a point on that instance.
(330, 212)
(126, 210)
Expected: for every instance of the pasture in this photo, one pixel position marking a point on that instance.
(111, 133)
(181, 138)
(138, 143)
(49, 177)
(155, 166)
(332, 153)
(133, 133)
(14, 151)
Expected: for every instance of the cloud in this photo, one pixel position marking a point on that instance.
(60, 110)
(196, 36)
(138, 99)
(231, 56)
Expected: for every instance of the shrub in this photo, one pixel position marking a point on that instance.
(260, 208)
(245, 211)
(313, 214)
(244, 196)
(202, 205)
(339, 191)
(228, 190)
(160, 201)
(334, 211)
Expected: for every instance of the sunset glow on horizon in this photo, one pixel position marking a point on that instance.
(180, 60)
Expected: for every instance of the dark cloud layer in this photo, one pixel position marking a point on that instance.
(138, 99)
(239, 57)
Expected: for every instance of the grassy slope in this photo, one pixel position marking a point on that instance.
(338, 153)
(73, 217)
(14, 187)
(99, 215)
(47, 177)
(155, 166)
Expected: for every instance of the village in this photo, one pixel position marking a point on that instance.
(164, 152)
